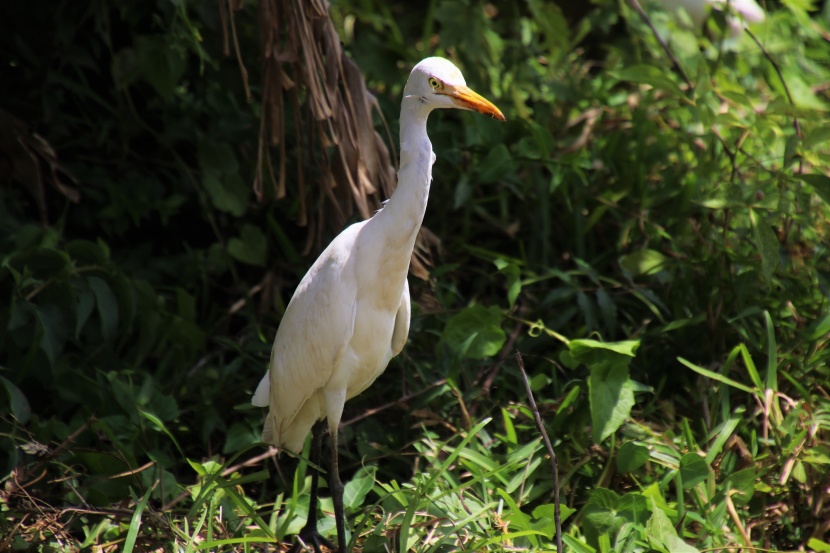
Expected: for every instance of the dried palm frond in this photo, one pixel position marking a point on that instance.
(342, 164)
(305, 65)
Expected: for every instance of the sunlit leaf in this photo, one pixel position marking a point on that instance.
(693, 470)
(475, 332)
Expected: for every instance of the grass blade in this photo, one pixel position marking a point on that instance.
(772, 354)
(135, 522)
(716, 376)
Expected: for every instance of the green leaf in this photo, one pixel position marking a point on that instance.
(220, 178)
(768, 247)
(693, 470)
(662, 535)
(161, 426)
(513, 275)
(496, 165)
(649, 75)
(742, 486)
(107, 306)
(801, 92)
(548, 511)
(817, 545)
(820, 184)
(643, 262)
(161, 64)
(716, 376)
(611, 389)
(20, 408)
(819, 328)
(227, 193)
(51, 325)
(475, 332)
(355, 491)
(86, 303)
(251, 246)
(612, 398)
(608, 309)
(135, 522)
(631, 456)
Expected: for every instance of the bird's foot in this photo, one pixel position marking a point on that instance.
(313, 540)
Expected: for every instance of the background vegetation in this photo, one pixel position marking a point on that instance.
(649, 230)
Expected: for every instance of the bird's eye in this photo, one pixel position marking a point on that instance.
(435, 83)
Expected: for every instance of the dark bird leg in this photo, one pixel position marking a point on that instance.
(309, 534)
(336, 487)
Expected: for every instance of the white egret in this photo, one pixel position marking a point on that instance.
(350, 313)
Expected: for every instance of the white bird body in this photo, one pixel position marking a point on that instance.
(360, 321)
(350, 313)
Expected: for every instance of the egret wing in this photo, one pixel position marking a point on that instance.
(314, 332)
(401, 330)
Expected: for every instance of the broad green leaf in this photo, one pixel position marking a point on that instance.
(631, 456)
(549, 510)
(611, 390)
(612, 398)
(475, 332)
(601, 516)
(86, 303)
(227, 193)
(251, 246)
(643, 262)
(161, 64)
(820, 184)
(768, 247)
(662, 535)
(220, 178)
(819, 546)
(801, 92)
(693, 470)
(649, 75)
(585, 349)
(20, 408)
(635, 507)
(52, 327)
(240, 435)
(496, 165)
(742, 485)
(355, 491)
(608, 309)
(107, 306)
(513, 275)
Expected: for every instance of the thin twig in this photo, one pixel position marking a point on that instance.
(733, 513)
(374, 411)
(557, 517)
(679, 68)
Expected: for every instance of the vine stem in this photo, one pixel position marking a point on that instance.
(557, 517)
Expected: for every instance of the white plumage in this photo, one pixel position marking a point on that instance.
(350, 313)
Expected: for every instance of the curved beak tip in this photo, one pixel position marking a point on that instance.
(467, 98)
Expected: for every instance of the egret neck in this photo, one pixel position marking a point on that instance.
(403, 214)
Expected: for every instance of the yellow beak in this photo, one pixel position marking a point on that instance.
(467, 98)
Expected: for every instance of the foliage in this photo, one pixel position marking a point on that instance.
(650, 231)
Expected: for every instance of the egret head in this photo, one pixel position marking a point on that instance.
(438, 83)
